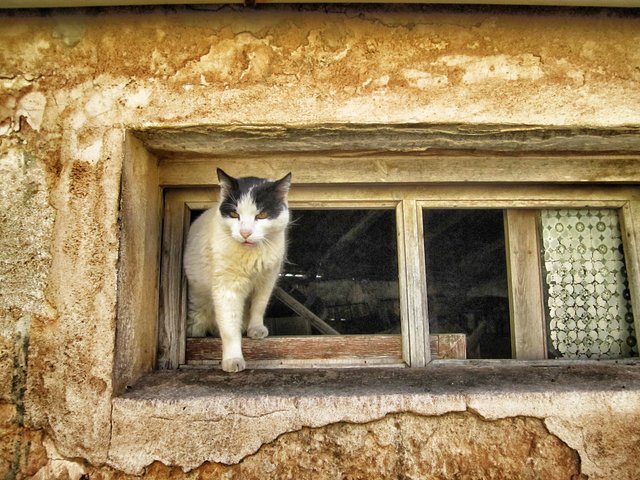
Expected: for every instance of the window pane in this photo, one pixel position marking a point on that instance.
(467, 279)
(341, 274)
(588, 304)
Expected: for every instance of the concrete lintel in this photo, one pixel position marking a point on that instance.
(237, 140)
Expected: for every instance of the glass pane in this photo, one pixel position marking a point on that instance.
(588, 303)
(467, 289)
(341, 274)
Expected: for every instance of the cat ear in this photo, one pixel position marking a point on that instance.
(226, 181)
(282, 186)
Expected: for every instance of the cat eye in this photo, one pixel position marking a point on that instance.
(261, 216)
(234, 215)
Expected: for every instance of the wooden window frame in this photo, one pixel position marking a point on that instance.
(427, 157)
(523, 249)
(520, 202)
(413, 346)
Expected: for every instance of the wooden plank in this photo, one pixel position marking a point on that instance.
(170, 350)
(413, 284)
(140, 233)
(304, 196)
(301, 348)
(407, 169)
(526, 300)
(315, 348)
(50, 4)
(630, 225)
(448, 346)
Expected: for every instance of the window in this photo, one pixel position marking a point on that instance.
(467, 281)
(342, 304)
(589, 313)
(445, 272)
(169, 174)
(582, 309)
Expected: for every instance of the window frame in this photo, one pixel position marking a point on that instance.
(357, 350)
(519, 201)
(156, 157)
(523, 250)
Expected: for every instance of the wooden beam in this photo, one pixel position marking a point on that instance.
(528, 325)
(414, 169)
(5, 4)
(348, 348)
(304, 312)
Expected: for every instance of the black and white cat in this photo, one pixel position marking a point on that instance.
(232, 259)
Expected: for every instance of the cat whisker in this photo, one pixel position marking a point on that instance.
(294, 221)
(271, 246)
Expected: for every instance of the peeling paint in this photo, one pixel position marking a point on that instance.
(406, 446)
(29, 107)
(15, 82)
(495, 67)
(425, 80)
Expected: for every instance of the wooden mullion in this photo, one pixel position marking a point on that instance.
(413, 285)
(171, 328)
(526, 299)
(630, 224)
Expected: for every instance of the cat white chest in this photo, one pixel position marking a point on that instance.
(238, 262)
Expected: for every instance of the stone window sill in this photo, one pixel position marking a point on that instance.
(188, 417)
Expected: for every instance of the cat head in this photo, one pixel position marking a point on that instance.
(253, 208)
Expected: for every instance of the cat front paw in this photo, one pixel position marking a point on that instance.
(233, 365)
(259, 331)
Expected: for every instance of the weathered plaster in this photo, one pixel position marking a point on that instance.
(238, 416)
(72, 82)
(407, 446)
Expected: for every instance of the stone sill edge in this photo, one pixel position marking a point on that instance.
(442, 377)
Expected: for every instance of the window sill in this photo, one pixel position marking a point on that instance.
(200, 415)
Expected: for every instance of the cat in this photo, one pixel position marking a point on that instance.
(233, 256)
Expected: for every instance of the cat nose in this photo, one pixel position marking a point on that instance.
(245, 233)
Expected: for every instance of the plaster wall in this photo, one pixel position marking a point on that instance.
(72, 82)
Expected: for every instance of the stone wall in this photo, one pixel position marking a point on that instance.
(72, 82)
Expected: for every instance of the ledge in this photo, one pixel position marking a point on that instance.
(440, 378)
(194, 416)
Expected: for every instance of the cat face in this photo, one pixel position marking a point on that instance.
(253, 209)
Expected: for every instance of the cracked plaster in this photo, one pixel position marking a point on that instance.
(239, 416)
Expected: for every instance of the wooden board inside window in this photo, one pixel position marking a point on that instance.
(414, 346)
(336, 349)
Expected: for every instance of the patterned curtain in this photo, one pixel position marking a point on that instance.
(587, 295)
